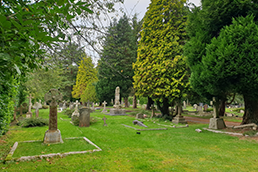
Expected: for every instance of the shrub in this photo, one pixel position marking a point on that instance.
(68, 112)
(76, 121)
(238, 109)
(130, 100)
(44, 106)
(209, 110)
(143, 100)
(33, 122)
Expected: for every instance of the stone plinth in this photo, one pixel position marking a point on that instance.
(179, 119)
(115, 112)
(217, 123)
(84, 117)
(53, 136)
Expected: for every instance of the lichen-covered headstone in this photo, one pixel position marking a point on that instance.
(37, 106)
(84, 118)
(53, 135)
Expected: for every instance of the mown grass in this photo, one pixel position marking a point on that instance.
(175, 149)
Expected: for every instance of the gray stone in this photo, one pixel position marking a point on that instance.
(104, 119)
(117, 107)
(229, 114)
(199, 109)
(139, 123)
(198, 130)
(241, 111)
(179, 119)
(37, 106)
(252, 125)
(217, 123)
(184, 104)
(139, 116)
(29, 113)
(76, 113)
(115, 112)
(205, 107)
(84, 117)
(53, 135)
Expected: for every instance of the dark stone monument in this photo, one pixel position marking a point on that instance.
(84, 117)
(53, 135)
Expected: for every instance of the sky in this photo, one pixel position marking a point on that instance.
(140, 6)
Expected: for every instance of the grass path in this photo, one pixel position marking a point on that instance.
(175, 149)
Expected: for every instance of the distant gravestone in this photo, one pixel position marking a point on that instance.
(199, 109)
(138, 102)
(195, 106)
(84, 118)
(211, 103)
(37, 106)
(205, 107)
(184, 104)
(53, 135)
(64, 104)
(139, 116)
(136, 122)
(29, 113)
(104, 109)
(92, 107)
(117, 106)
(71, 106)
(76, 112)
(104, 119)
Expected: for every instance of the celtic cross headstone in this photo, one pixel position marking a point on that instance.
(53, 135)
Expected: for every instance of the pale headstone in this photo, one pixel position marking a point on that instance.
(211, 103)
(53, 135)
(29, 113)
(139, 123)
(184, 104)
(117, 107)
(195, 106)
(71, 106)
(117, 98)
(104, 119)
(76, 113)
(104, 109)
(138, 102)
(84, 117)
(199, 109)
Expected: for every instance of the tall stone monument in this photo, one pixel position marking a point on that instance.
(179, 118)
(216, 122)
(29, 113)
(117, 106)
(53, 135)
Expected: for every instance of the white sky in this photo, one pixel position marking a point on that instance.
(140, 6)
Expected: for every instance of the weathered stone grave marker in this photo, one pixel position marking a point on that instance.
(84, 117)
(37, 106)
(29, 113)
(117, 107)
(104, 109)
(139, 123)
(76, 112)
(104, 119)
(53, 135)
(216, 122)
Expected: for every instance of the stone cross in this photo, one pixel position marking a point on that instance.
(53, 135)
(117, 98)
(76, 105)
(53, 95)
(104, 109)
(104, 119)
(30, 104)
(76, 111)
(22, 107)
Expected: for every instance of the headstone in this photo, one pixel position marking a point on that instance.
(184, 104)
(37, 106)
(201, 104)
(29, 113)
(216, 122)
(40, 104)
(195, 106)
(104, 109)
(76, 113)
(241, 111)
(22, 107)
(139, 116)
(104, 119)
(64, 104)
(92, 107)
(84, 117)
(199, 109)
(45, 103)
(139, 123)
(53, 135)
(117, 107)
(211, 103)
(71, 106)
(205, 107)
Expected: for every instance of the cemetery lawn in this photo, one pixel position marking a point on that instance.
(174, 149)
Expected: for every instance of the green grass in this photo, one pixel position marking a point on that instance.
(175, 149)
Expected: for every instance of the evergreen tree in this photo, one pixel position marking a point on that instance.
(115, 64)
(160, 70)
(86, 75)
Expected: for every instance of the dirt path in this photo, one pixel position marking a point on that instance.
(206, 121)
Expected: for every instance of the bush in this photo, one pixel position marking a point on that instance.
(238, 109)
(76, 121)
(33, 122)
(130, 100)
(68, 112)
(143, 100)
(44, 106)
(209, 110)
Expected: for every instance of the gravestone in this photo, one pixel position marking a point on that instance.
(195, 106)
(64, 104)
(216, 122)
(45, 103)
(138, 102)
(53, 135)
(22, 107)
(104, 119)
(139, 123)
(37, 106)
(71, 106)
(199, 109)
(92, 107)
(76, 112)
(211, 103)
(104, 109)
(29, 113)
(205, 107)
(139, 116)
(184, 104)
(117, 107)
(84, 117)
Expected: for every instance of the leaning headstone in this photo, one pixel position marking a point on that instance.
(184, 104)
(29, 113)
(76, 112)
(37, 106)
(195, 106)
(139, 123)
(117, 107)
(104, 119)
(84, 117)
(104, 109)
(53, 135)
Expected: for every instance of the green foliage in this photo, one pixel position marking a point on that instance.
(68, 112)
(130, 100)
(89, 93)
(33, 122)
(250, 133)
(160, 70)
(238, 109)
(44, 106)
(115, 64)
(209, 110)
(143, 100)
(76, 122)
(86, 75)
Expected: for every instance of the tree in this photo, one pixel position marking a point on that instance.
(89, 93)
(231, 59)
(115, 64)
(85, 76)
(204, 24)
(160, 69)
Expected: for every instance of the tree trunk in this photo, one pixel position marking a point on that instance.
(134, 102)
(126, 102)
(150, 102)
(222, 108)
(163, 107)
(251, 111)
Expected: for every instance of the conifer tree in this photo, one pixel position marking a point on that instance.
(115, 64)
(160, 69)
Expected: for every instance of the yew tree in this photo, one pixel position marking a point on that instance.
(160, 70)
